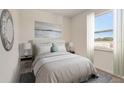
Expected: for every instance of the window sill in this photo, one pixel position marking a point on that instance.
(103, 49)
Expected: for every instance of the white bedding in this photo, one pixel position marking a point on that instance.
(60, 67)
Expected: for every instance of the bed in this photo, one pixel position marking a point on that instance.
(60, 66)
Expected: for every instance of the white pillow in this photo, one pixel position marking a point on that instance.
(42, 48)
(61, 46)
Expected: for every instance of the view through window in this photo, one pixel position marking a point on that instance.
(104, 30)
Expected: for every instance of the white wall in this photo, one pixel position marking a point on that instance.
(9, 60)
(103, 60)
(66, 29)
(78, 35)
(28, 17)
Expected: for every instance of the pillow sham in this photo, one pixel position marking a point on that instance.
(42, 48)
(61, 46)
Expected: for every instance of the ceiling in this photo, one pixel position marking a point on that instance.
(66, 12)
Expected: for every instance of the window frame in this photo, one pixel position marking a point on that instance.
(98, 48)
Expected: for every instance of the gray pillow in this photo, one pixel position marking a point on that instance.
(54, 48)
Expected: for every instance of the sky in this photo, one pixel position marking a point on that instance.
(103, 22)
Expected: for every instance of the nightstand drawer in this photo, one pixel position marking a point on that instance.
(26, 65)
(26, 58)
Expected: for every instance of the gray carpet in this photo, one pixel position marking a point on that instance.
(27, 78)
(103, 77)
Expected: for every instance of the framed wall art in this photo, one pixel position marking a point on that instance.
(47, 30)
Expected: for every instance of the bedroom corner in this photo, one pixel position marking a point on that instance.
(9, 59)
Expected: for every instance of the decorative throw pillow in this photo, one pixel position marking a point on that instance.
(54, 48)
(61, 46)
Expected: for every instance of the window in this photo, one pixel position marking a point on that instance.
(104, 30)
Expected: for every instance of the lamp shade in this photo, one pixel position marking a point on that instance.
(27, 46)
(70, 46)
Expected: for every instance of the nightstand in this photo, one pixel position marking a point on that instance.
(26, 64)
(26, 73)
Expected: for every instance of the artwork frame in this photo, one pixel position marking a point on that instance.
(47, 30)
(6, 29)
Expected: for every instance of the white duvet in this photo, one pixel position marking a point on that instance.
(62, 67)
